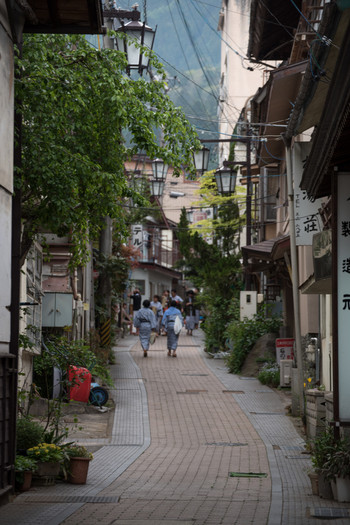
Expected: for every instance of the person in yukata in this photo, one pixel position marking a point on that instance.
(191, 313)
(157, 309)
(168, 322)
(145, 322)
(176, 298)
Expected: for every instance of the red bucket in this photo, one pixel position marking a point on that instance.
(80, 378)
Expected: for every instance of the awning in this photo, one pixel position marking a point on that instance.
(330, 142)
(60, 16)
(276, 100)
(270, 250)
(271, 29)
(313, 286)
(161, 269)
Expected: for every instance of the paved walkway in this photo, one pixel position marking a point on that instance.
(172, 450)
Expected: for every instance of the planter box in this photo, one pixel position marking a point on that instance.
(48, 468)
(78, 470)
(341, 489)
(315, 413)
(314, 482)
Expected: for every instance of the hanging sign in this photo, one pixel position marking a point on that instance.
(343, 293)
(307, 219)
(137, 236)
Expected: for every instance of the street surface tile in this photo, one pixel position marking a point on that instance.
(178, 433)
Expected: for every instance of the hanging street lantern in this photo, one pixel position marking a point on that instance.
(141, 34)
(157, 188)
(226, 180)
(159, 169)
(201, 159)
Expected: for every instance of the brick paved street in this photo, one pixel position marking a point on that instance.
(171, 452)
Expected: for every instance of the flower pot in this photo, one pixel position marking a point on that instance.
(324, 487)
(314, 482)
(27, 481)
(343, 489)
(48, 468)
(78, 470)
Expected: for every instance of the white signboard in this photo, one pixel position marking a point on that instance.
(343, 294)
(137, 236)
(307, 220)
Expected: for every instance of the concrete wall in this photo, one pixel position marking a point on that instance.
(309, 303)
(6, 173)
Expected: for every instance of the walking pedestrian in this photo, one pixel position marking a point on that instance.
(145, 322)
(157, 309)
(168, 322)
(191, 313)
(176, 298)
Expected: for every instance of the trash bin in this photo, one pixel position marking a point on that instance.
(81, 382)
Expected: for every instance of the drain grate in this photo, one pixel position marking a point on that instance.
(192, 392)
(233, 392)
(195, 375)
(267, 413)
(223, 444)
(47, 498)
(248, 475)
(328, 512)
(247, 378)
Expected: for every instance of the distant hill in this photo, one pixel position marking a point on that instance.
(185, 41)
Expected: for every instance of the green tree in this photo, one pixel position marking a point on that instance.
(77, 105)
(216, 273)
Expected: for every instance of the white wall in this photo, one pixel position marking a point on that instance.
(155, 282)
(6, 174)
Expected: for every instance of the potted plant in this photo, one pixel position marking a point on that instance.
(49, 457)
(321, 447)
(337, 470)
(24, 468)
(79, 460)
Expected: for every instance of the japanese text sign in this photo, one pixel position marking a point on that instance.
(307, 221)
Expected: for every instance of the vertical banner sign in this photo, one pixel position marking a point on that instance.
(343, 294)
(307, 221)
(137, 236)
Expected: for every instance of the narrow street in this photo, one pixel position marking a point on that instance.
(181, 427)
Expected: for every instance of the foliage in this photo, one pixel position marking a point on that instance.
(338, 461)
(217, 273)
(226, 227)
(25, 464)
(29, 433)
(270, 375)
(46, 452)
(321, 447)
(244, 335)
(77, 104)
(76, 451)
(61, 353)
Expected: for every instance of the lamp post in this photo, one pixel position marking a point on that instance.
(225, 178)
(201, 159)
(139, 35)
(160, 170)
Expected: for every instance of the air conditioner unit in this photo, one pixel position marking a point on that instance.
(286, 366)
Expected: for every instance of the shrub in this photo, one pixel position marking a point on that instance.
(270, 375)
(244, 335)
(29, 433)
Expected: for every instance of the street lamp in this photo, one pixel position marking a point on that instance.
(226, 180)
(159, 169)
(139, 35)
(201, 159)
(157, 188)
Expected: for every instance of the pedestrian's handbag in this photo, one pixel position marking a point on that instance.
(177, 325)
(152, 338)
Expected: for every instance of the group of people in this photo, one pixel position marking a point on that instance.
(159, 316)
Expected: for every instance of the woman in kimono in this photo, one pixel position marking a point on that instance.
(145, 322)
(191, 313)
(168, 322)
(157, 309)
